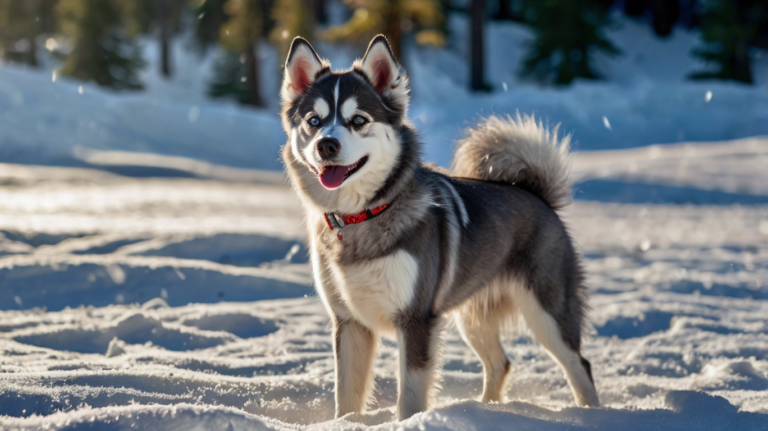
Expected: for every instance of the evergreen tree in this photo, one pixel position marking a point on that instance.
(761, 39)
(391, 17)
(292, 18)
(21, 21)
(728, 29)
(634, 8)
(319, 11)
(664, 14)
(230, 77)
(567, 33)
(162, 17)
(508, 10)
(101, 49)
(237, 70)
(209, 18)
(504, 11)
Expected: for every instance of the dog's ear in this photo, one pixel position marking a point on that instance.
(382, 70)
(301, 69)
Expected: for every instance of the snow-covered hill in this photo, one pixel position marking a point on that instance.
(645, 99)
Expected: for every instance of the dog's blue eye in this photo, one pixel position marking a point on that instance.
(314, 121)
(358, 120)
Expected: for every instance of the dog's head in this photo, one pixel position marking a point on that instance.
(344, 137)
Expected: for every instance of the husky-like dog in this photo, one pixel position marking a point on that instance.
(398, 247)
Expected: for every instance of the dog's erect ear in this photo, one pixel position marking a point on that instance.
(381, 68)
(301, 69)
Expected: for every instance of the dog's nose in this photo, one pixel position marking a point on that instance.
(328, 147)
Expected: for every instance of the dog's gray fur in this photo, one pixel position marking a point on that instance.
(484, 245)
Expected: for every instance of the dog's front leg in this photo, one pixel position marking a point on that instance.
(355, 350)
(419, 343)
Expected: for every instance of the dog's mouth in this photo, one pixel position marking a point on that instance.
(331, 177)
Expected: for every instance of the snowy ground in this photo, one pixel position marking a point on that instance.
(184, 302)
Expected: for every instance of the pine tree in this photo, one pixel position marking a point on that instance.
(237, 70)
(21, 21)
(728, 29)
(761, 39)
(319, 11)
(209, 18)
(634, 8)
(160, 17)
(101, 49)
(508, 10)
(664, 14)
(292, 18)
(567, 33)
(393, 18)
(230, 77)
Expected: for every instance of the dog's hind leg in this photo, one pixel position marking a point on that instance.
(544, 328)
(355, 350)
(480, 328)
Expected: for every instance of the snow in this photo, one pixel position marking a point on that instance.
(154, 276)
(186, 303)
(646, 99)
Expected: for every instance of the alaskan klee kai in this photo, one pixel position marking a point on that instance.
(397, 248)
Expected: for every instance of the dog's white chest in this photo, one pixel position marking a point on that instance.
(376, 290)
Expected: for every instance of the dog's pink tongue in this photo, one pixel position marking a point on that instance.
(333, 176)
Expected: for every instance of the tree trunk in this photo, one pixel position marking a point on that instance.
(634, 8)
(32, 53)
(321, 15)
(47, 15)
(665, 16)
(165, 54)
(252, 62)
(477, 44)
(505, 11)
(740, 63)
(392, 24)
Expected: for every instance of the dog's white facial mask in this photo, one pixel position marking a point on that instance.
(342, 126)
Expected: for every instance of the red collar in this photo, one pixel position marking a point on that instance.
(336, 221)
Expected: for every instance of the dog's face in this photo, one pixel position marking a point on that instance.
(342, 125)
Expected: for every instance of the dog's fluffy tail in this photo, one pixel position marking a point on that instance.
(519, 151)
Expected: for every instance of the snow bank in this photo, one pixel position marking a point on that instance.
(645, 100)
(44, 122)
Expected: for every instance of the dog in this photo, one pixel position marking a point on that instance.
(398, 248)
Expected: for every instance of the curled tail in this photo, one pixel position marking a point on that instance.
(519, 151)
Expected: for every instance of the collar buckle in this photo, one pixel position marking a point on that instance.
(334, 221)
(339, 220)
